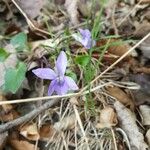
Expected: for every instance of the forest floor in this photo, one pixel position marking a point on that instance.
(74, 74)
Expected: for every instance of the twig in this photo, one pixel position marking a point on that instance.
(28, 116)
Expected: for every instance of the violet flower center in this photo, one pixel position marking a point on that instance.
(60, 80)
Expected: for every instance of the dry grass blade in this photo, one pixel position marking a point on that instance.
(55, 96)
(81, 126)
(31, 25)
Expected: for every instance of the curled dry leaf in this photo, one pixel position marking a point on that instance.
(108, 118)
(3, 139)
(148, 136)
(66, 123)
(128, 124)
(30, 131)
(145, 111)
(72, 9)
(120, 95)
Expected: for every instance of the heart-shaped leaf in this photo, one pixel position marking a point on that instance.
(14, 77)
(82, 60)
(19, 41)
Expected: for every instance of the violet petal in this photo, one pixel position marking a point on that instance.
(71, 83)
(51, 87)
(61, 63)
(44, 73)
(85, 33)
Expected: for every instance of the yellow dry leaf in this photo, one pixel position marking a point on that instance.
(30, 131)
(107, 118)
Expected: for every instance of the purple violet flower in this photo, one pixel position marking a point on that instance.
(60, 83)
(86, 39)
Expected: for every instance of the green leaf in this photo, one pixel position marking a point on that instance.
(82, 60)
(19, 41)
(15, 77)
(3, 54)
(89, 72)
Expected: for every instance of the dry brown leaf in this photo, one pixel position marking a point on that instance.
(108, 118)
(117, 47)
(30, 131)
(144, 70)
(148, 136)
(142, 95)
(46, 132)
(72, 9)
(6, 108)
(8, 113)
(120, 95)
(145, 111)
(66, 123)
(128, 124)
(3, 139)
(142, 29)
(21, 145)
(9, 116)
(31, 7)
